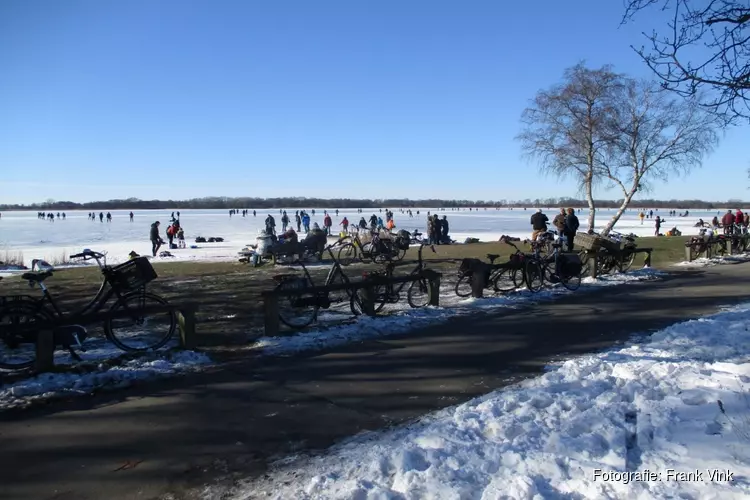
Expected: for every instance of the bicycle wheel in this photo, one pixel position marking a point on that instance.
(572, 283)
(380, 295)
(518, 277)
(585, 263)
(504, 281)
(399, 253)
(134, 330)
(18, 349)
(463, 286)
(418, 294)
(628, 257)
(297, 308)
(346, 254)
(534, 275)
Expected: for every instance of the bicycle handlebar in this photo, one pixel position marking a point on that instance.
(89, 255)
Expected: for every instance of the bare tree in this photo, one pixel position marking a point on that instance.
(654, 136)
(566, 127)
(705, 49)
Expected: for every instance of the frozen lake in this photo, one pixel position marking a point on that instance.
(23, 232)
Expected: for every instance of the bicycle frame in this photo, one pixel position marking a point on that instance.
(391, 292)
(97, 303)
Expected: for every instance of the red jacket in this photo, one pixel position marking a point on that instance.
(728, 219)
(739, 217)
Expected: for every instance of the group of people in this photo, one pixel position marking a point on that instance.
(174, 231)
(437, 230)
(566, 223)
(49, 216)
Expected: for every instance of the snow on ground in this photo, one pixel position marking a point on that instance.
(591, 427)
(713, 261)
(56, 385)
(404, 318)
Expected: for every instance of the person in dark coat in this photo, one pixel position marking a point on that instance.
(538, 224)
(156, 240)
(570, 228)
(445, 229)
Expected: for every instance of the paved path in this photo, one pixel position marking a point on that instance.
(174, 435)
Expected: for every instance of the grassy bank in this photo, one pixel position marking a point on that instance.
(229, 292)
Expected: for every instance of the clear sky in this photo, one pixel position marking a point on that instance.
(105, 99)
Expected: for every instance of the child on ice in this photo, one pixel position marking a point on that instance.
(181, 238)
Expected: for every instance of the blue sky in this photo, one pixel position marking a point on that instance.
(391, 98)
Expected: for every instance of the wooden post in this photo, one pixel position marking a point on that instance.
(434, 287)
(709, 250)
(478, 282)
(271, 314)
(647, 260)
(186, 320)
(688, 253)
(593, 263)
(367, 296)
(45, 351)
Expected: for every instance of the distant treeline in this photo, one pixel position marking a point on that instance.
(264, 203)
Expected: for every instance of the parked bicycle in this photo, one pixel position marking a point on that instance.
(300, 307)
(417, 295)
(377, 250)
(707, 239)
(502, 278)
(128, 327)
(555, 268)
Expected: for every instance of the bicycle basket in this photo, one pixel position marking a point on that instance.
(132, 274)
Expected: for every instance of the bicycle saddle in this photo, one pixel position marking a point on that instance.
(492, 256)
(37, 277)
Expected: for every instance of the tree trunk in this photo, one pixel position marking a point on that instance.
(621, 210)
(590, 199)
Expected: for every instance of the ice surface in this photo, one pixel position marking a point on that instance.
(650, 406)
(41, 239)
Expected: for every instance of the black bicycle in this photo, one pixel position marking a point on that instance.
(417, 295)
(131, 326)
(299, 305)
(555, 268)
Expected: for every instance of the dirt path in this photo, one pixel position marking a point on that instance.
(175, 435)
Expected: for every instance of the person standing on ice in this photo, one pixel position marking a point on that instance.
(284, 222)
(131, 216)
(559, 222)
(327, 223)
(306, 222)
(727, 221)
(345, 224)
(270, 225)
(538, 224)
(571, 228)
(156, 240)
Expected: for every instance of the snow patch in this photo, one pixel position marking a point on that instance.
(56, 385)
(649, 406)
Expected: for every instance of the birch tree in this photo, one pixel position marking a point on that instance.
(653, 138)
(566, 127)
